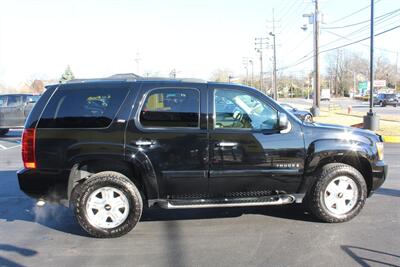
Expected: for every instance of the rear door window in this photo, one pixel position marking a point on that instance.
(171, 108)
(83, 107)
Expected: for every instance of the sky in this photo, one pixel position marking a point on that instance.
(39, 38)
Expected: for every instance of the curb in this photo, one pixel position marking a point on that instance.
(391, 139)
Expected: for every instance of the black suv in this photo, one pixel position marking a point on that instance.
(112, 147)
(386, 99)
(14, 108)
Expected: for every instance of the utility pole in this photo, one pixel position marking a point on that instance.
(397, 70)
(371, 120)
(261, 42)
(314, 20)
(274, 68)
(316, 103)
(274, 78)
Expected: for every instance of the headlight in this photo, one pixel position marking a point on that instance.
(379, 147)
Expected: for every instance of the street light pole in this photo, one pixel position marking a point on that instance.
(252, 72)
(371, 120)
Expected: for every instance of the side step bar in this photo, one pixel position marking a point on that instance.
(223, 202)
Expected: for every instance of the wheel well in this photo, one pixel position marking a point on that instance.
(359, 163)
(84, 170)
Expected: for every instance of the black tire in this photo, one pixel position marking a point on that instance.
(82, 192)
(4, 131)
(315, 199)
(308, 118)
(382, 104)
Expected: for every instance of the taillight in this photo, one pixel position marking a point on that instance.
(28, 148)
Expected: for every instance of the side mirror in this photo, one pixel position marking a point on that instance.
(283, 121)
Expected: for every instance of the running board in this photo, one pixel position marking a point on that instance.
(224, 202)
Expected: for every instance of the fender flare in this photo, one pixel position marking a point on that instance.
(332, 150)
(138, 161)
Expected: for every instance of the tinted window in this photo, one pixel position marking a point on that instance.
(390, 96)
(237, 109)
(82, 108)
(3, 101)
(171, 108)
(14, 100)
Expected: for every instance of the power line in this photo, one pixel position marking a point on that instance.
(297, 46)
(359, 31)
(352, 14)
(305, 58)
(362, 22)
(388, 30)
(379, 48)
(294, 10)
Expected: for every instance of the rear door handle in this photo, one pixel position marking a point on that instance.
(226, 144)
(143, 143)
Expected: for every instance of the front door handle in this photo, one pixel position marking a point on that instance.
(226, 144)
(143, 143)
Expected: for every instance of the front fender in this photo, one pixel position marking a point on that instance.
(321, 152)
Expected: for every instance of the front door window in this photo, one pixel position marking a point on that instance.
(235, 109)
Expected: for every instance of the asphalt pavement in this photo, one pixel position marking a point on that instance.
(262, 236)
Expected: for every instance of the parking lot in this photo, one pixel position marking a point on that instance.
(274, 236)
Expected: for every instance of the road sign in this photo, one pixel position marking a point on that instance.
(379, 83)
(362, 88)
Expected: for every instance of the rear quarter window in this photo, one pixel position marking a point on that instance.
(82, 107)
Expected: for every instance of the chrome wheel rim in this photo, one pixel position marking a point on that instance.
(107, 207)
(341, 195)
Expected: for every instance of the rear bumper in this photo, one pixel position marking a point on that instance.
(43, 184)
(379, 173)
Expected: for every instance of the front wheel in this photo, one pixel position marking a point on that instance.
(339, 194)
(108, 204)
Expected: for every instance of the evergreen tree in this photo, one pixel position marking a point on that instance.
(67, 75)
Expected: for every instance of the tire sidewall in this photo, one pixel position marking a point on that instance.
(126, 187)
(360, 183)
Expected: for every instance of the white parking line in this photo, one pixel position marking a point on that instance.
(7, 148)
(3, 147)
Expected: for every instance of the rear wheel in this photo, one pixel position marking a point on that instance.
(339, 193)
(4, 131)
(108, 204)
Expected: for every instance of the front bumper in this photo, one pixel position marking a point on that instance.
(379, 173)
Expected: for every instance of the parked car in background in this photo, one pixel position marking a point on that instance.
(14, 109)
(325, 94)
(384, 99)
(303, 115)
